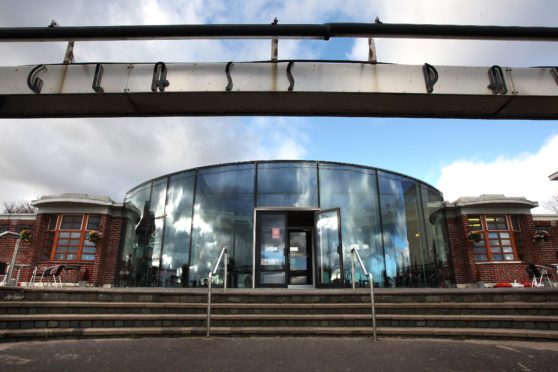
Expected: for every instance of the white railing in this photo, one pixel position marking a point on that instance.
(224, 252)
(354, 252)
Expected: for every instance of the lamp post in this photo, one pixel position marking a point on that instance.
(12, 265)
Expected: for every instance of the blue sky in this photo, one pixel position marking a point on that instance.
(110, 156)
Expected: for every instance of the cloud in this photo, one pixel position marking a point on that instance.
(110, 156)
(525, 175)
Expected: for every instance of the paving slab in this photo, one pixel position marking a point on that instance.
(277, 354)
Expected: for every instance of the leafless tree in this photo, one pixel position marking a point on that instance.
(551, 204)
(18, 207)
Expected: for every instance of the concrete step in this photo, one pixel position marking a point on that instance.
(448, 308)
(276, 320)
(195, 295)
(461, 333)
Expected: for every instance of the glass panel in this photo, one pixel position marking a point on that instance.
(438, 271)
(75, 235)
(88, 250)
(71, 257)
(287, 184)
(72, 249)
(223, 216)
(507, 249)
(297, 251)
(508, 257)
(353, 190)
(178, 225)
(492, 235)
(63, 241)
(497, 257)
(480, 243)
(157, 211)
(481, 258)
(496, 223)
(495, 242)
(52, 222)
(139, 230)
(88, 257)
(64, 235)
(88, 243)
(61, 249)
(58, 256)
(93, 222)
(474, 223)
(403, 245)
(504, 235)
(495, 249)
(479, 250)
(506, 242)
(272, 249)
(515, 223)
(327, 236)
(71, 222)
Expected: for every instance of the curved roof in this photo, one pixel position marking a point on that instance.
(284, 161)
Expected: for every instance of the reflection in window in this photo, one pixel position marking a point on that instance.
(402, 237)
(437, 270)
(354, 191)
(287, 184)
(223, 216)
(178, 223)
(139, 227)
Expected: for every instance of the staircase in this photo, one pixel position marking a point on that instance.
(508, 313)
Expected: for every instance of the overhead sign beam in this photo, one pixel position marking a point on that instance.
(286, 88)
(278, 31)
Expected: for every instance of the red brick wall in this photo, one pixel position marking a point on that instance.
(8, 243)
(466, 267)
(98, 272)
(549, 250)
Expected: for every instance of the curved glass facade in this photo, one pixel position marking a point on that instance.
(285, 223)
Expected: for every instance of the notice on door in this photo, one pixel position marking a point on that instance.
(276, 233)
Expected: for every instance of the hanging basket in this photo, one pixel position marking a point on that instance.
(94, 236)
(25, 235)
(474, 236)
(541, 236)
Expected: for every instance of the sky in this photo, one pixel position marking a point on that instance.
(109, 156)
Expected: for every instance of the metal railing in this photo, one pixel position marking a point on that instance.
(8, 278)
(354, 252)
(224, 252)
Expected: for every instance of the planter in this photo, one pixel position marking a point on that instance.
(480, 285)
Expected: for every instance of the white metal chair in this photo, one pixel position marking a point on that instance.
(4, 268)
(52, 272)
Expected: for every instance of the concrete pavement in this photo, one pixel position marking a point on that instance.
(277, 354)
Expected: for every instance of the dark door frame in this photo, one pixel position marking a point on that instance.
(256, 254)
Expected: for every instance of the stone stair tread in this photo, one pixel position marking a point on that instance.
(364, 331)
(489, 305)
(279, 316)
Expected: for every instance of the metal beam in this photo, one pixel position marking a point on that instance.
(279, 31)
(296, 88)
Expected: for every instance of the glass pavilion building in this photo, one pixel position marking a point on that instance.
(285, 224)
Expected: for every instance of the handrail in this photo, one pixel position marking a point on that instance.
(8, 277)
(280, 31)
(371, 279)
(224, 251)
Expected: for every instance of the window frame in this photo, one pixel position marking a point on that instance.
(489, 249)
(82, 243)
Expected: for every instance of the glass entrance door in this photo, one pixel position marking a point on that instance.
(271, 266)
(300, 265)
(329, 263)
